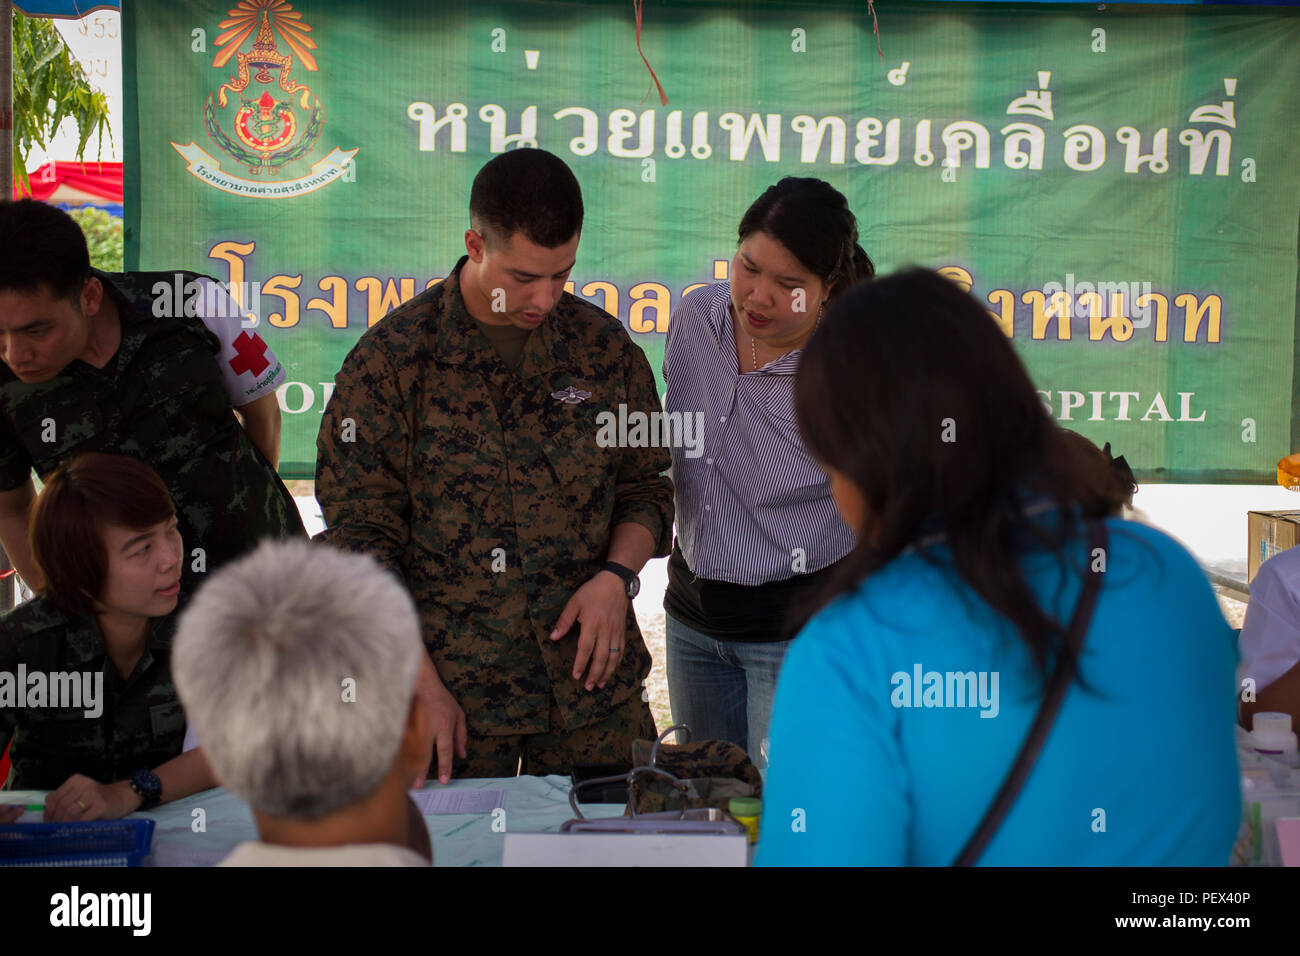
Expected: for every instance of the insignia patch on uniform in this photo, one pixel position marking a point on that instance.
(571, 396)
(249, 354)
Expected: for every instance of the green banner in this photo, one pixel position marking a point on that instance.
(1119, 185)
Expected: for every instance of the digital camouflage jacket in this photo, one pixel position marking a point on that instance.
(494, 520)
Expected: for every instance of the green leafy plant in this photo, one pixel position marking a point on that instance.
(103, 236)
(50, 86)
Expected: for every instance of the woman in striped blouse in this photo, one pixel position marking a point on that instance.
(757, 529)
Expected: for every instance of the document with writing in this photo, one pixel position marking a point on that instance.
(437, 801)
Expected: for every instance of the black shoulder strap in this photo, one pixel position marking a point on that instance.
(1061, 679)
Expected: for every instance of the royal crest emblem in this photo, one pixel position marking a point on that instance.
(263, 117)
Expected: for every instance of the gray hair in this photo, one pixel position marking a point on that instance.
(263, 660)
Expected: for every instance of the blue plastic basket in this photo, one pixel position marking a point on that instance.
(96, 843)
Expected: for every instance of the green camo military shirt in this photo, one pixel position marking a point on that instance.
(44, 650)
(494, 521)
(161, 399)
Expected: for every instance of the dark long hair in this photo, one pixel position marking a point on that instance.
(911, 391)
(811, 218)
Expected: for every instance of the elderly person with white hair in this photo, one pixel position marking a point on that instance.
(297, 668)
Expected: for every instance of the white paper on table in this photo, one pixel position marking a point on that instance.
(433, 802)
(624, 849)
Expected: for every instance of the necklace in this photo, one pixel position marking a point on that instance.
(753, 349)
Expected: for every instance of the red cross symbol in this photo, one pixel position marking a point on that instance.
(249, 354)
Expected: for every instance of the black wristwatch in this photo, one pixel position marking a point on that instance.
(629, 577)
(148, 786)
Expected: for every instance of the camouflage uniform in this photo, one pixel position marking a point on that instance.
(415, 466)
(713, 771)
(160, 399)
(141, 726)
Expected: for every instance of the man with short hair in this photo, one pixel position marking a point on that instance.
(297, 667)
(460, 448)
(122, 364)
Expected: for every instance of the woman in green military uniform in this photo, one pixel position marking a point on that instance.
(86, 697)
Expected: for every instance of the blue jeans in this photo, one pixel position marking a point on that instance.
(722, 690)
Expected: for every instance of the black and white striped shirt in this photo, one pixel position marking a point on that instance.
(753, 507)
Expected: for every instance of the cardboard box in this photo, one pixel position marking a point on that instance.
(1269, 533)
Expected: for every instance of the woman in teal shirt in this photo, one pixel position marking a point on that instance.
(903, 703)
